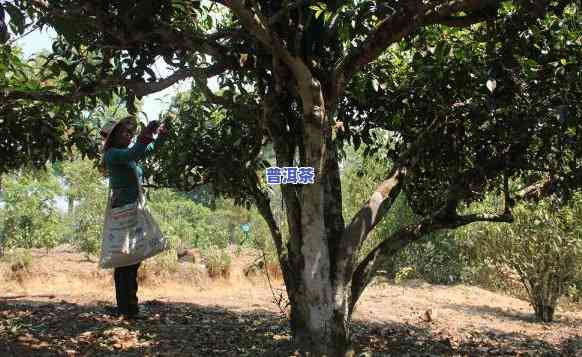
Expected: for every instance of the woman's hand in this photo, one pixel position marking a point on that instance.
(147, 134)
(153, 127)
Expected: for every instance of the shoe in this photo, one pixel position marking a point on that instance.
(112, 311)
(133, 317)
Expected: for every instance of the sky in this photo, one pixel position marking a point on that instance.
(38, 41)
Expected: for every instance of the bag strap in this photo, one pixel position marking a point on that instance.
(107, 208)
(140, 196)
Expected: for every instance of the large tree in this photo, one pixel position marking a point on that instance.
(292, 75)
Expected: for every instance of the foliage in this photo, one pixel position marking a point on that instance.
(207, 144)
(405, 273)
(218, 261)
(434, 89)
(30, 218)
(185, 222)
(436, 259)
(35, 132)
(87, 194)
(543, 247)
(19, 261)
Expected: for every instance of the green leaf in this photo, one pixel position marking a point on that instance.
(327, 16)
(375, 84)
(17, 18)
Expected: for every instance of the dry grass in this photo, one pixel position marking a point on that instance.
(64, 271)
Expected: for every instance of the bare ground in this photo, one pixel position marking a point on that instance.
(57, 309)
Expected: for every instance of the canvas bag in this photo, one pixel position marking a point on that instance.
(130, 234)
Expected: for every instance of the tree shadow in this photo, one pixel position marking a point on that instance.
(33, 328)
(512, 314)
(59, 328)
(572, 346)
(397, 339)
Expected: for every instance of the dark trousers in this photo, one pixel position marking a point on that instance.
(126, 289)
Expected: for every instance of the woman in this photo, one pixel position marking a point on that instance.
(119, 163)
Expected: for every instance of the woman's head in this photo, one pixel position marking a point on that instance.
(123, 133)
(120, 134)
(117, 135)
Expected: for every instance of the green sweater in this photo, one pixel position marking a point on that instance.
(122, 169)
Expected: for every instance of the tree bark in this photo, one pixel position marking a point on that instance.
(328, 336)
(544, 312)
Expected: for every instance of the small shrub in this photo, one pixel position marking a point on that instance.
(404, 274)
(575, 293)
(159, 268)
(20, 264)
(217, 262)
(436, 259)
(90, 246)
(19, 261)
(29, 218)
(543, 246)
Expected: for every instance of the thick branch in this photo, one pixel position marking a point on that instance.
(142, 88)
(227, 33)
(303, 76)
(264, 207)
(364, 221)
(13, 95)
(334, 220)
(458, 21)
(139, 87)
(376, 207)
(285, 10)
(536, 190)
(366, 269)
(260, 31)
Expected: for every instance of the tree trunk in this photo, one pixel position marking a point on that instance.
(544, 312)
(70, 205)
(320, 328)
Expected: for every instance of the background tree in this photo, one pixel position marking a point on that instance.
(30, 218)
(543, 247)
(87, 196)
(289, 72)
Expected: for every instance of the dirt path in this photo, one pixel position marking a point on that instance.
(58, 309)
